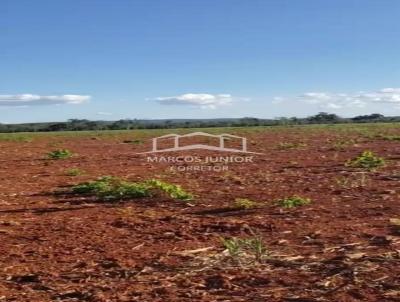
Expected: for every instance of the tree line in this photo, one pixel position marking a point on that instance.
(127, 124)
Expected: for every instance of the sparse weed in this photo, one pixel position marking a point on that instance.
(355, 180)
(233, 246)
(244, 204)
(15, 137)
(366, 160)
(257, 248)
(341, 145)
(135, 141)
(172, 190)
(288, 145)
(126, 212)
(237, 179)
(293, 201)
(59, 154)
(74, 172)
(241, 249)
(391, 137)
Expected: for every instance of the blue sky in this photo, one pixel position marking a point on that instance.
(113, 59)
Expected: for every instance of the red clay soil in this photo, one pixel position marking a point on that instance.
(340, 247)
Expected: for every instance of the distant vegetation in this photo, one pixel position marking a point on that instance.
(126, 124)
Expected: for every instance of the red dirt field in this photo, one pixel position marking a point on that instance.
(340, 247)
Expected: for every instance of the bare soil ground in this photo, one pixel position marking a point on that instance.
(340, 247)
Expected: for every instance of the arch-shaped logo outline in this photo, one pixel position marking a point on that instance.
(221, 146)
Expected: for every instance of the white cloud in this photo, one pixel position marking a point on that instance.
(390, 90)
(34, 99)
(104, 113)
(277, 100)
(333, 106)
(349, 100)
(202, 100)
(315, 97)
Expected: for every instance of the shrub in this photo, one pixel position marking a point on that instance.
(113, 188)
(293, 201)
(59, 154)
(366, 160)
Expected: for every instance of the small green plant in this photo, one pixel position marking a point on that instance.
(92, 187)
(113, 188)
(341, 145)
(233, 246)
(73, 172)
(391, 137)
(288, 145)
(293, 201)
(59, 154)
(240, 249)
(257, 248)
(172, 190)
(244, 204)
(366, 160)
(355, 180)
